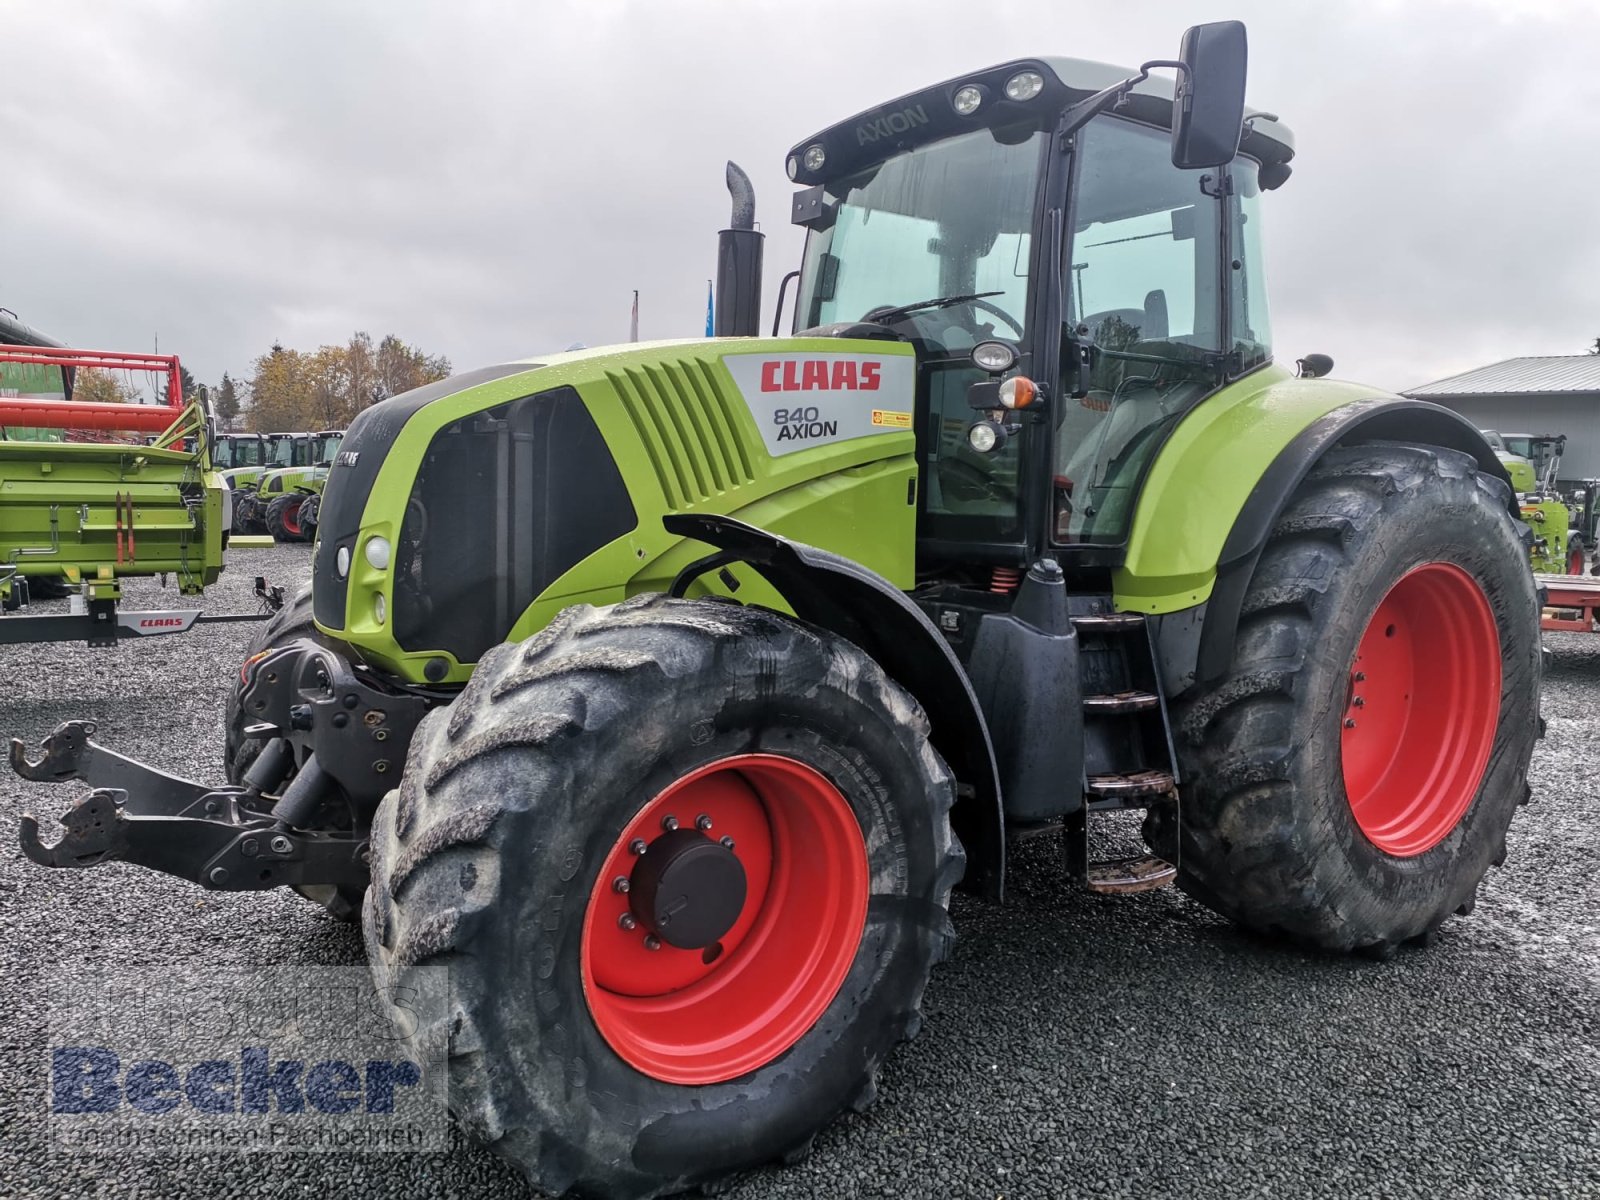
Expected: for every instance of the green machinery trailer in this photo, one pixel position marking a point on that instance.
(78, 516)
(662, 693)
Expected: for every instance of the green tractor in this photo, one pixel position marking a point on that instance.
(1557, 522)
(290, 497)
(664, 692)
(288, 460)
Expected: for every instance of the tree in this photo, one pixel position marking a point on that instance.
(327, 387)
(227, 401)
(1595, 349)
(187, 380)
(103, 387)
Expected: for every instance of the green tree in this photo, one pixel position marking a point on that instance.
(226, 401)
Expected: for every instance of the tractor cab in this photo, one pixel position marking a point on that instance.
(1034, 222)
(237, 450)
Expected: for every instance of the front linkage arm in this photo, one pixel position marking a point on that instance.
(309, 705)
(225, 839)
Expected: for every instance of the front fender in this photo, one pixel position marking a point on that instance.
(846, 598)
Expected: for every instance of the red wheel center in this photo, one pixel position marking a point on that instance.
(1422, 710)
(693, 978)
(291, 518)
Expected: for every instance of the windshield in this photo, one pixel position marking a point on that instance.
(280, 451)
(325, 448)
(238, 452)
(949, 219)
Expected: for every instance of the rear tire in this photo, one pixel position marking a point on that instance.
(282, 517)
(292, 622)
(496, 858)
(1576, 556)
(1352, 812)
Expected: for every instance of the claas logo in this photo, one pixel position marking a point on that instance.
(820, 375)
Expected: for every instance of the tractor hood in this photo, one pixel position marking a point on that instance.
(450, 509)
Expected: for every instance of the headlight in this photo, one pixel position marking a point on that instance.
(983, 436)
(1024, 85)
(816, 156)
(793, 166)
(994, 357)
(966, 100)
(380, 610)
(341, 562)
(377, 551)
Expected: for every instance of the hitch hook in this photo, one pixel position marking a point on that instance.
(63, 750)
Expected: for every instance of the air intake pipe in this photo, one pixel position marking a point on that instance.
(739, 251)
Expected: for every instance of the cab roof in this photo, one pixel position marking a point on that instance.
(928, 115)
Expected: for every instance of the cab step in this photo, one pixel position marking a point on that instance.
(1116, 622)
(1139, 783)
(1121, 702)
(1120, 876)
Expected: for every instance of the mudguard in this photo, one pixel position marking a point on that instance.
(1214, 495)
(848, 599)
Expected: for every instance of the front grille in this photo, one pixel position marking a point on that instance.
(687, 421)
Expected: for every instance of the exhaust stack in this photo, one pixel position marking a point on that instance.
(739, 251)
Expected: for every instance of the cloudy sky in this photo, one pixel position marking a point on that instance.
(491, 180)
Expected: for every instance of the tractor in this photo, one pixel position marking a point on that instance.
(290, 464)
(1557, 522)
(290, 497)
(664, 692)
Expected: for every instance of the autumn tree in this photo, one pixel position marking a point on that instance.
(103, 387)
(327, 387)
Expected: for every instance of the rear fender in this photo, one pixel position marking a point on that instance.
(848, 599)
(1374, 418)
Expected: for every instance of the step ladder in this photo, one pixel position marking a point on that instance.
(1128, 758)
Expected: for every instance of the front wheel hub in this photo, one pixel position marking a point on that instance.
(687, 889)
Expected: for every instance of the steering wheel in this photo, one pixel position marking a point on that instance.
(996, 310)
(978, 302)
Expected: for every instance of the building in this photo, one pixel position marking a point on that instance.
(1545, 395)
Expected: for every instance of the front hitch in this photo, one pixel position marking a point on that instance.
(224, 839)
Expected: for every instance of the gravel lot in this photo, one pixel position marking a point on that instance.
(1074, 1046)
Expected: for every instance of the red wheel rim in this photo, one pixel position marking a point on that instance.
(291, 518)
(1423, 707)
(1575, 561)
(698, 1016)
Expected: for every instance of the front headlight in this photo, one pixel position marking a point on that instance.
(380, 610)
(377, 551)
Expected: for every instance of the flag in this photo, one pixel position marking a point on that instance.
(633, 325)
(710, 322)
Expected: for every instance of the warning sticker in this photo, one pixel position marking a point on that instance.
(809, 399)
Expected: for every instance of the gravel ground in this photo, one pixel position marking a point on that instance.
(1074, 1046)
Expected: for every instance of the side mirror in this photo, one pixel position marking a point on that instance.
(1208, 105)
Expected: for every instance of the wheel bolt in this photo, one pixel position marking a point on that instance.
(652, 942)
(628, 921)
(1359, 702)
(620, 884)
(727, 841)
(1361, 676)
(702, 822)
(669, 823)
(1349, 723)
(637, 846)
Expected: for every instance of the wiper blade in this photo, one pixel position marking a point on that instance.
(883, 316)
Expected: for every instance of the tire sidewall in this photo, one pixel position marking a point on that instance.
(674, 1130)
(1483, 544)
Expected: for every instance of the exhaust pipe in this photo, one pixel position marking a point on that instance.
(739, 252)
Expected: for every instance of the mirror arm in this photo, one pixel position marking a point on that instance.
(1081, 113)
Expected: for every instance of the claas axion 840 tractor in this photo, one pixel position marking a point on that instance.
(664, 692)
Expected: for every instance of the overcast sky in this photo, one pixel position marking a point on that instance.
(491, 180)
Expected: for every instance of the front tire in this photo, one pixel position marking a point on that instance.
(283, 517)
(595, 1061)
(1351, 780)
